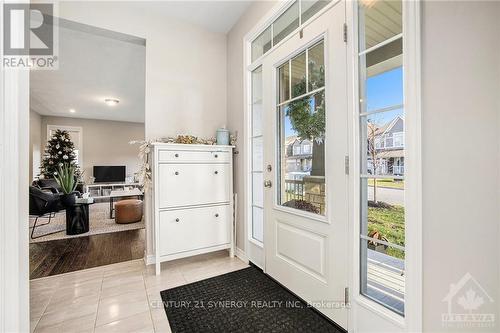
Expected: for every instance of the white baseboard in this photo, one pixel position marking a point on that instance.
(150, 259)
(241, 255)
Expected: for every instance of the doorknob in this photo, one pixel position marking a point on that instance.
(268, 184)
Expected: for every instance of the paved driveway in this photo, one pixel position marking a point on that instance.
(392, 196)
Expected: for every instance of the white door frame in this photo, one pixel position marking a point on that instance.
(252, 247)
(14, 168)
(412, 70)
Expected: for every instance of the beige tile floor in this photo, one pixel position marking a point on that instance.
(122, 297)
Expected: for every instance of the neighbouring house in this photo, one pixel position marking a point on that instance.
(389, 144)
(298, 157)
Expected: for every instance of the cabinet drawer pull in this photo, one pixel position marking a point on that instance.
(176, 155)
(216, 172)
(177, 220)
(216, 155)
(177, 173)
(216, 214)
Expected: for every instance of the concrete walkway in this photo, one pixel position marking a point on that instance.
(391, 196)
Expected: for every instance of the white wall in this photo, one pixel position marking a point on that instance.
(185, 65)
(105, 142)
(35, 144)
(235, 101)
(185, 69)
(461, 110)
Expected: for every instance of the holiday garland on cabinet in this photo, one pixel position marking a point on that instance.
(144, 173)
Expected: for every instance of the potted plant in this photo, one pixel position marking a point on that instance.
(65, 177)
(374, 245)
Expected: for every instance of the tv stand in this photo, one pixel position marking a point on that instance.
(103, 190)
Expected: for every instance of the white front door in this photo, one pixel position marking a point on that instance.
(305, 144)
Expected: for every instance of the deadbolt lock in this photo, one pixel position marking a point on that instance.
(269, 168)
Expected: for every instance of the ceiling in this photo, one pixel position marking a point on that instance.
(215, 16)
(94, 64)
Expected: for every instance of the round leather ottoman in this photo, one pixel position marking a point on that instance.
(128, 211)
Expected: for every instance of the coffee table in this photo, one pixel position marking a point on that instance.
(123, 194)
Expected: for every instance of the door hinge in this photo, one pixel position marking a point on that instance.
(346, 295)
(346, 164)
(345, 32)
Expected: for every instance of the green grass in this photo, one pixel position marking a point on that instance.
(390, 183)
(390, 223)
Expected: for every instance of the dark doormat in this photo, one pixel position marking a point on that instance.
(242, 301)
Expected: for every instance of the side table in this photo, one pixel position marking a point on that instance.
(77, 219)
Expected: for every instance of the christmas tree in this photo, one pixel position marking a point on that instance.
(59, 150)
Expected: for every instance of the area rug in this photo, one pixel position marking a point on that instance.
(242, 301)
(99, 223)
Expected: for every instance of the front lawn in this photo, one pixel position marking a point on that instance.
(389, 221)
(390, 183)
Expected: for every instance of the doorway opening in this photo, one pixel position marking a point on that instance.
(85, 195)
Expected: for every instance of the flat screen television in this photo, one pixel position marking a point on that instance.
(109, 174)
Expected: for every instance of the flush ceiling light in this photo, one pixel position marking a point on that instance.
(111, 101)
(72, 110)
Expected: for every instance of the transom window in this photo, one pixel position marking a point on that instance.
(292, 18)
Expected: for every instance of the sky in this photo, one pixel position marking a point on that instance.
(382, 91)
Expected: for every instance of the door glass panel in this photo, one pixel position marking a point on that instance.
(261, 44)
(382, 86)
(286, 23)
(383, 133)
(257, 151)
(298, 76)
(302, 154)
(379, 21)
(309, 8)
(382, 207)
(257, 86)
(382, 276)
(382, 155)
(284, 82)
(257, 119)
(316, 67)
(258, 191)
(257, 156)
(258, 224)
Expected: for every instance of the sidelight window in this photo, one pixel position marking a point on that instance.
(382, 179)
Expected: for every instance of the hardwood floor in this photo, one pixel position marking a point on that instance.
(68, 255)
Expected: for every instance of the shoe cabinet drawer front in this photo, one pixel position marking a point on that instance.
(192, 229)
(193, 184)
(182, 156)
